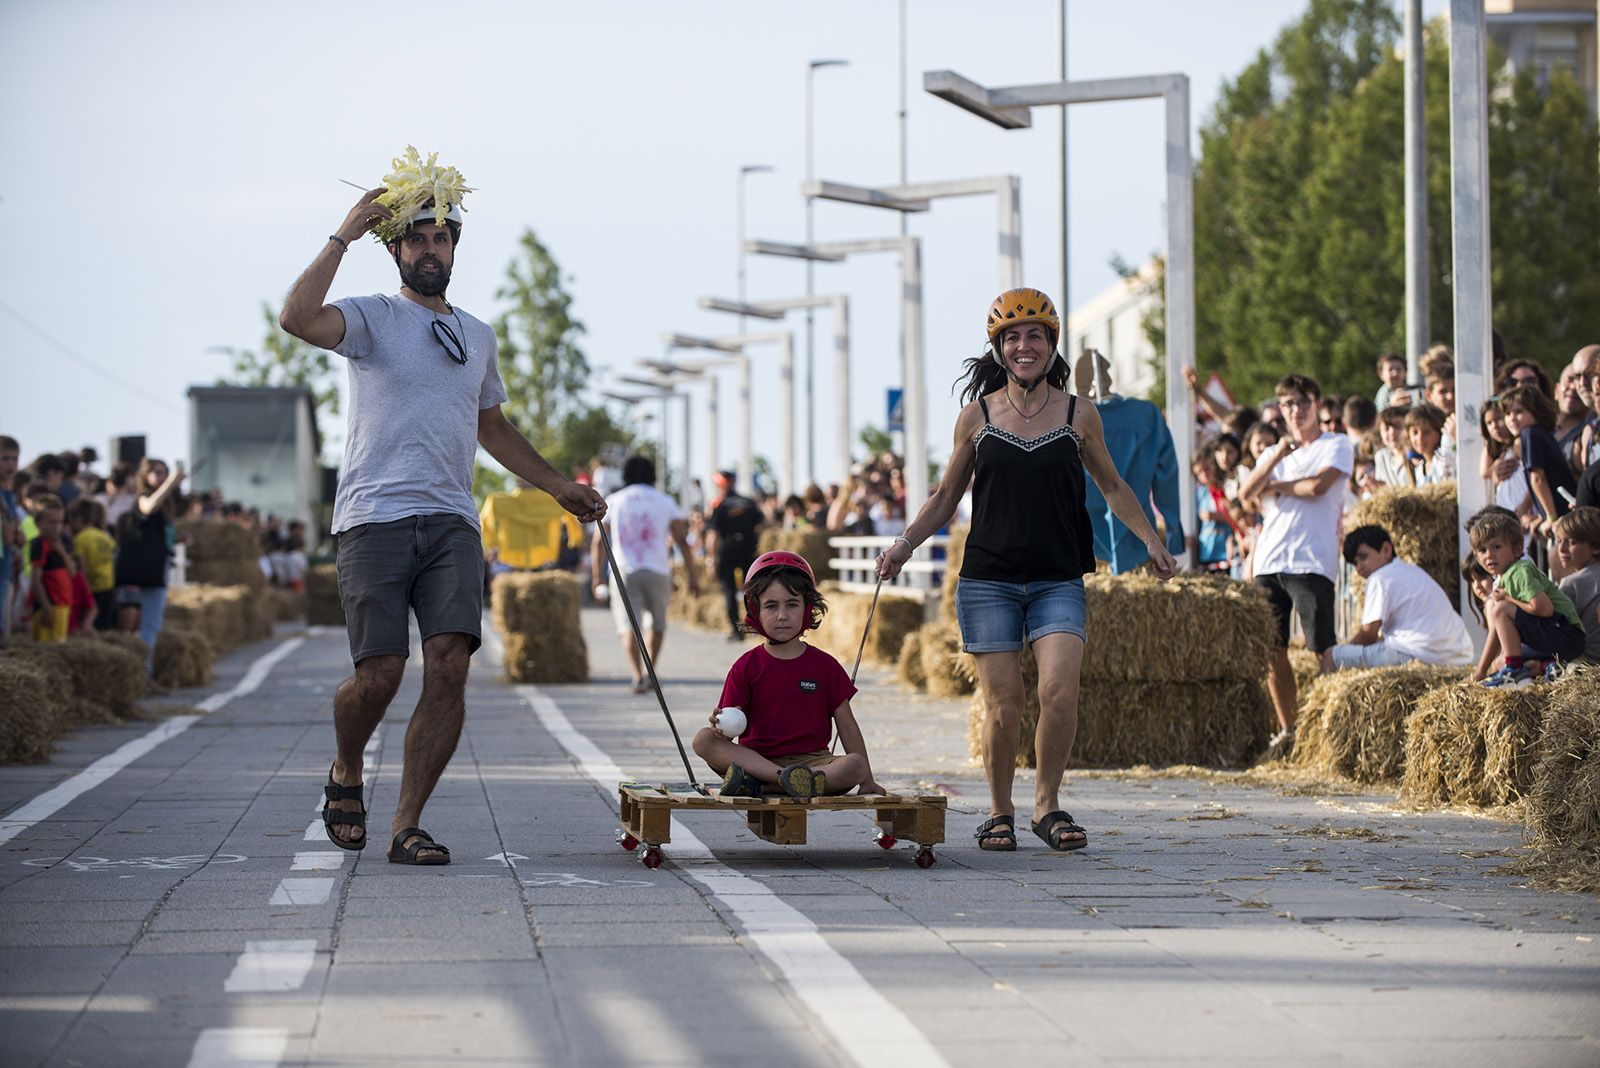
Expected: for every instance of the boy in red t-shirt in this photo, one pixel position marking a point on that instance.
(792, 694)
(52, 572)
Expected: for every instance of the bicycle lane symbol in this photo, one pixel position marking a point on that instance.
(103, 865)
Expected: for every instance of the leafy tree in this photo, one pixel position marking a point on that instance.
(543, 368)
(1299, 207)
(285, 360)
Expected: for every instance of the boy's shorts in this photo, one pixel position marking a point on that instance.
(50, 624)
(818, 759)
(1547, 636)
(1308, 596)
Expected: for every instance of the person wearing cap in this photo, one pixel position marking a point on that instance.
(1140, 444)
(1025, 442)
(733, 531)
(425, 392)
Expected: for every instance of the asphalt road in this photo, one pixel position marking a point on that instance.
(167, 897)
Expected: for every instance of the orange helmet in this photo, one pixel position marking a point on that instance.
(1017, 306)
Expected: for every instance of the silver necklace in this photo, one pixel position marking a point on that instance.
(1026, 418)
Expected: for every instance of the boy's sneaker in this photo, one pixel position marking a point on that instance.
(1552, 671)
(1516, 678)
(740, 783)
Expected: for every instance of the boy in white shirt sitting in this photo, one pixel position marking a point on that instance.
(1405, 616)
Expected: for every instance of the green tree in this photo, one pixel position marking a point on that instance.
(285, 360)
(543, 368)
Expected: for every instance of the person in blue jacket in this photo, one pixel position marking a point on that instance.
(1141, 446)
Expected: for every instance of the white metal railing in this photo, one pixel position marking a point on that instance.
(856, 562)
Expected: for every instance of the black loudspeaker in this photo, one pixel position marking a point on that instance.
(128, 449)
(330, 484)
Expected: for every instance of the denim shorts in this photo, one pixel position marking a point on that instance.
(428, 564)
(996, 617)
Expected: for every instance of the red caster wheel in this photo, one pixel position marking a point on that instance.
(652, 857)
(885, 841)
(925, 857)
(627, 841)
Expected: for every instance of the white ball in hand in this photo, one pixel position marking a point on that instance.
(731, 721)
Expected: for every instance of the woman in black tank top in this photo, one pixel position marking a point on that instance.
(1028, 442)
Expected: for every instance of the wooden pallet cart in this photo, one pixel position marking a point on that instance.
(647, 811)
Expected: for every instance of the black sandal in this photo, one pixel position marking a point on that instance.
(331, 816)
(411, 854)
(1056, 839)
(987, 832)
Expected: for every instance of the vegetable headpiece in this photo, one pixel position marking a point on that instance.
(415, 188)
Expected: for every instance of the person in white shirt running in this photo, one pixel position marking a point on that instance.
(1405, 616)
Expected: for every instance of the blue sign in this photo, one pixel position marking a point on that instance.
(897, 410)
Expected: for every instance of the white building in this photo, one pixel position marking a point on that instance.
(1112, 321)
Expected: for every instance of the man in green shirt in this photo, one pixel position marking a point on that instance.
(1527, 614)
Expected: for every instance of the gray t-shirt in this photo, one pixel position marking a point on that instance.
(1584, 589)
(413, 426)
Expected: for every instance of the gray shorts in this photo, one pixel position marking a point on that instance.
(429, 564)
(649, 591)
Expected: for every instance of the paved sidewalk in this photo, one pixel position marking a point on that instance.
(188, 910)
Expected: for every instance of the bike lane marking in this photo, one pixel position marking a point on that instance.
(272, 966)
(63, 794)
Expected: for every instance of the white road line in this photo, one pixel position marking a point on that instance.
(315, 831)
(272, 967)
(318, 860)
(58, 797)
(301, 892)
(866, 1025)
(239, 1047)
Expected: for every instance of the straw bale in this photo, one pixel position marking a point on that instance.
(1192, 628)
(809, 543)
(1353, 723)
(33, 710)
(705, 609)
(286, 605)
(1471, 745)
(183, 658)
(323, 607)
(221, 553)
(952, 571)
(229, 616)
(1307, 667)
(100, 681)
(121, 638)
(1217, 723)
(949, 671)
(909, 669)
(536, 614)
(840, 634)
(1423, 522)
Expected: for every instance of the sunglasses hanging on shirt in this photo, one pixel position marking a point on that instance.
(449, 342)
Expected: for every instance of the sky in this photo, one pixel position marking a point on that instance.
(165, 168)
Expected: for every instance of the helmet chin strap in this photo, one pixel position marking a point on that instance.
(1027, 387)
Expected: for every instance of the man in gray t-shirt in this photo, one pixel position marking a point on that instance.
(425, 392)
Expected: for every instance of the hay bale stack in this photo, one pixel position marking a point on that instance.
(1422, 521)
(840, 634)
(1353, 723)
(1470, 745)
(229, 616)
(33, 710)
(909, 668)
(536, 614)
(183, 658)
(100, 682)
(122, 639)
(952, 571)
(1307, 668)
(285, 605)
(704, 610)
(948, 671)
(1563, 807)
(809, 543)
(221, 553)
(323, 607)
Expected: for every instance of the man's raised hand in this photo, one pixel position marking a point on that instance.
(364, 216)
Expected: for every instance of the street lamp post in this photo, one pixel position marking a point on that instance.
(811, 236)
(737, 344)
(662, 386)
(747, 169)
(1010, 108)
(840, 306)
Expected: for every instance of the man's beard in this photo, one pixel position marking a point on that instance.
(426, 284)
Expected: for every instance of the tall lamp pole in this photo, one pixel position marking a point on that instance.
(811, 236)
(747, 169)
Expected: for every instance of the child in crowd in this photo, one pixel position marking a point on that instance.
(1527, 615)
(793, 696)
(1392, 375)
(295, 564)
(1430, 461)
(1390, 465)
(1211, 506)
(1501, 463)
(1405, 616)
(52, 567)
(10, 532)
(1531, 415)
(1480, 584)
(83, 613)
(86, 521)
(1578, 550)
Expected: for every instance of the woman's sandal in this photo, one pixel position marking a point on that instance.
(331, 816)
(988, 831)
(412, 854)
(803, 781)
(1055, 839)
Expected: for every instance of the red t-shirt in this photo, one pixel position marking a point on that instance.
(82, 601)
(789, 703)
(49, 561)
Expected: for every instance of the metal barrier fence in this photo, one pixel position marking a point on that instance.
(856, 561)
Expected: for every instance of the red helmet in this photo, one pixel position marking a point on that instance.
(766, 562)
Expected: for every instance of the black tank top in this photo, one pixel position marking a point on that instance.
(1029, 523)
